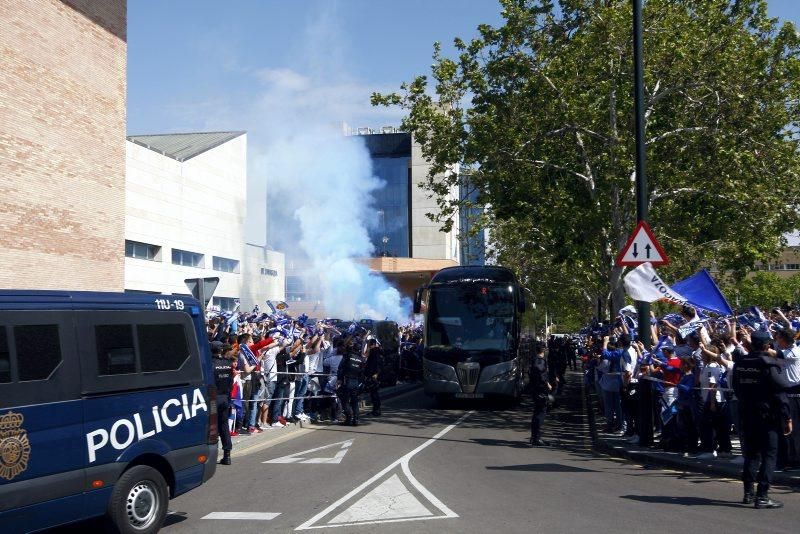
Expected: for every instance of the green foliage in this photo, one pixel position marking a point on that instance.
(763, 289)
(540, 111)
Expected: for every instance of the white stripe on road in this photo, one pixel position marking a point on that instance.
(258, 516)
(403, 462)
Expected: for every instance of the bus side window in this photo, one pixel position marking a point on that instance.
(38, 351)
(5, 356)
(162, 347)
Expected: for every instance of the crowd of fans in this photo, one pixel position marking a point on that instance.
(682, 381)
(284, 369)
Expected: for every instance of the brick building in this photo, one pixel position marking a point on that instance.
(62, 143)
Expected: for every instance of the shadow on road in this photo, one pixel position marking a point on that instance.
(541, 468)
(682, 500)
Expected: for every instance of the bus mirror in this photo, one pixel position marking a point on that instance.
(418, 300)
(521, 302)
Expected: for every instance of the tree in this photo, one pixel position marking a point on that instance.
(764, 289)
(540, 111)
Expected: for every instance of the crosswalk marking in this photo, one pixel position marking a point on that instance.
(302, 457)
(257, 516)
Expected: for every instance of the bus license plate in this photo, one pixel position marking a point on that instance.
(469, 395)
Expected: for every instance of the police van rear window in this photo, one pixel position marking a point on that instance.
(38, 351)
(5, 357)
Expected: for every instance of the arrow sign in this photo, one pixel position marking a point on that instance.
(642, 247)
(302, 457)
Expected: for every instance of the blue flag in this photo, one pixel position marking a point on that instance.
(701, 291)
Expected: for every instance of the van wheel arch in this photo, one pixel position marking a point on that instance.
(159, 464)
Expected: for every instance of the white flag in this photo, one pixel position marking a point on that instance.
(644, 284)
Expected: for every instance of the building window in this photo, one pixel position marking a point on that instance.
(142, 251)
(225, 265)
(295, 288)
(186, 258)
(269, 272)
(792, 266)
(225, 303)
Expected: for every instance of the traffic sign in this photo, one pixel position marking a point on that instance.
(202, 288)
(642, 247)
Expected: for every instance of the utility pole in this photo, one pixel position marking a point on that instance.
(645, 416)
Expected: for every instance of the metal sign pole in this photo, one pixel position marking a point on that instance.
(643, 308)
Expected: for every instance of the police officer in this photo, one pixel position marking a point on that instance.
(758, 384)
(223, 378)
(541, 388)
(372, 369)
(349, 380)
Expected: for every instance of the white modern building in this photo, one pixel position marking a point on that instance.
(185, 215)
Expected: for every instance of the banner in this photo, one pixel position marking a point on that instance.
(702, 292)
(644, 284)
(699, 290)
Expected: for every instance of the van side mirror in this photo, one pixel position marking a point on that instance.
(418, 299)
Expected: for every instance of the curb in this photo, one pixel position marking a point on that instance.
(649, 457)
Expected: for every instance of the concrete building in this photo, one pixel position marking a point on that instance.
(62, 144)
(787, 264)
(185, 217)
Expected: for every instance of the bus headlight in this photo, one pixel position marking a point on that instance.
(433, 375)
(503, 377)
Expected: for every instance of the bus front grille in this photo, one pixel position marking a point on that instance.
(468, 373)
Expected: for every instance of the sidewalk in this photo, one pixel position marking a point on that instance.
(615, 445)
(246, 444)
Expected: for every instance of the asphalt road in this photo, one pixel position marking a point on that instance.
(462, 469)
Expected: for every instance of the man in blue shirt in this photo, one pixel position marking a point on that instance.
(611, 383)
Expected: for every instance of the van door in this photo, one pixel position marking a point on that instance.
(140, 373)
(41, 420)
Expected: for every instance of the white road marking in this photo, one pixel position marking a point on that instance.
(258, 516)
(301, 457)
(403, 463)
(390, 500)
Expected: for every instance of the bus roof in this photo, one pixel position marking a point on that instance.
(469, 273)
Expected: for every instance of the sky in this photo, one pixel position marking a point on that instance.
(197, 65)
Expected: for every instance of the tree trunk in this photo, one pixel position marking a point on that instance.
(616, 290)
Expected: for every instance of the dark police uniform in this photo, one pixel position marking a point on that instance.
(372, 385)
(223, 378)
(763, 408)
(540, 377)
(351, 374)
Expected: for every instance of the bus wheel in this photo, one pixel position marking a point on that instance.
(139, 501)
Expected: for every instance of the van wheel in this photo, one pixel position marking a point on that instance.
(139, 501)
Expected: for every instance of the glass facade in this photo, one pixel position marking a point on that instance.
(473, 247)
(390, 235)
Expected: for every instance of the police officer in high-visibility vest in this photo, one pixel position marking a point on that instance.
(758, 384)
(350, 378)
(222, 378)
(541, 388)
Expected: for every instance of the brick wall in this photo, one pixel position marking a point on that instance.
(62, 144)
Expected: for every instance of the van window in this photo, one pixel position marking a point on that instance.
(115, 352)
(163, 347)
(38, 351)
(5, 356)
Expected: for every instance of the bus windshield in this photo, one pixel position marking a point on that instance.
(470, 317)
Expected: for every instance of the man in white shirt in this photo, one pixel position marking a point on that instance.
(789, 359)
